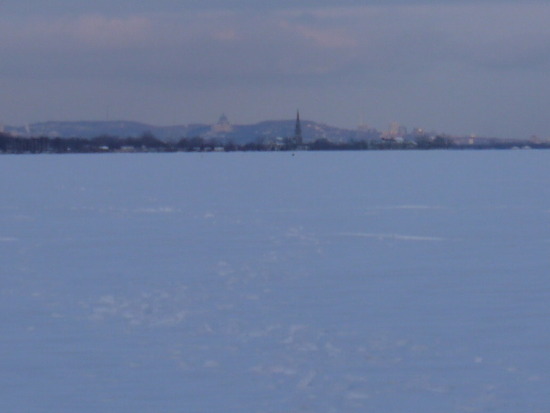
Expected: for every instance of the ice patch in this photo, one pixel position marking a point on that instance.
(211, 364)
(274, 370)
(307, 380)
(7, 239)
(397, 237)
(356, 396)
(158, 210)
(410, 207)
(158, 309)
(299, 234)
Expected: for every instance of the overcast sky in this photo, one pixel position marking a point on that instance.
(460, 67)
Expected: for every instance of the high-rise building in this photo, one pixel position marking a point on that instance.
(396, 130)
(363, 127)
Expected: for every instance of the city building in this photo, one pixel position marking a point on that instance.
(222, 126)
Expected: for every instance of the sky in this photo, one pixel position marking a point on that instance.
(459, 67)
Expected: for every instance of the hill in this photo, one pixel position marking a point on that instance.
(222, 131)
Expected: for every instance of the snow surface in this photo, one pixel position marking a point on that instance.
(275, 282)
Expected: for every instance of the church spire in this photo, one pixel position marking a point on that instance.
(298, 129)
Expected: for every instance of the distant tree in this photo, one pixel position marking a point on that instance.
(252, 146)
(442, 142)
(322, 144)
(230, 147)
(183, 144)
(148, 140)
(107, 141)
(197, 142)
(438, 142)
(5, 141)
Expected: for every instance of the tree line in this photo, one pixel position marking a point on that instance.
(149, 143)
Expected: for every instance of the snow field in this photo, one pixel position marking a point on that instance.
(265, 282)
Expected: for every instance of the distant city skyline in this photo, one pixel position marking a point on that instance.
(461, 67)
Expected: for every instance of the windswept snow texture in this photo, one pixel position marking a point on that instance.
(272, 282)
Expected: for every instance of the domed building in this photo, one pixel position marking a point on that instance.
(222, 126)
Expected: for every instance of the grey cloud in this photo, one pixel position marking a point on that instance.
(315, 41)
(121, 7)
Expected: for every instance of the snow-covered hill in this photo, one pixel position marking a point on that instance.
(237, 133)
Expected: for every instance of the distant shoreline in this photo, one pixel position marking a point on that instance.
(11, 144)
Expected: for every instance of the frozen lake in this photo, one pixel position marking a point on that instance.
(270, 282)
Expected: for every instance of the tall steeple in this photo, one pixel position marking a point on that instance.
(298, 130)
